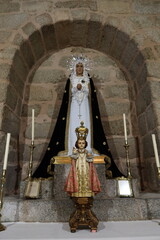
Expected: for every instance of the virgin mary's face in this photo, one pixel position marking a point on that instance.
(79, 69)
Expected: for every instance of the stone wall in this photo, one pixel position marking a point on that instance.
(126, 31)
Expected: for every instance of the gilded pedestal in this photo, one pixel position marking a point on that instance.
(83, 217)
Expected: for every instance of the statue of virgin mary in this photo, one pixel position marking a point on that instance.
(79, 103)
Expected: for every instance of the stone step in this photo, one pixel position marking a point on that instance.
(54, 210)
(54, 205)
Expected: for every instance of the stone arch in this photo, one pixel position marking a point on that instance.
(52, 37)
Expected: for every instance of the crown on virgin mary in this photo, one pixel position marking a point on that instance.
(81, 131)
(79, 59)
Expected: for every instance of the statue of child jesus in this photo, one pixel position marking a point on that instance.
(82, 180)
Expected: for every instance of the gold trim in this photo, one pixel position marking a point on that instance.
(67, 159)
(81, 194)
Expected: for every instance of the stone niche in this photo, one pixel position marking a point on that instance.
(44, 93)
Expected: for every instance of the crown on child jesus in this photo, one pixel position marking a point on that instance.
(81, 131)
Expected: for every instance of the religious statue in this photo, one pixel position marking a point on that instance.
(79, 103)
(82, 184)
(82, 180)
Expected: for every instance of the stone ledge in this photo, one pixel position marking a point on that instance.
(115, 209)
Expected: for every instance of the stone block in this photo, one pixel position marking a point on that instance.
(148, 53)
(37, 44)
(41, 130)
(104, 75)
(142, 124)
(114, 6)
(62, 15)
(108, 34)
(17, 82)
(93, 34)
(146, 7)
(116, 109)
(48, 76)
(115, 128)
(18, 109)
(10, 210)
(157, 50)
(63, 33)
(3, 91)
(114, 21)
(33, 6)
(53, 111)
(63, 61)
(9, 7)
(8, 53)
(40, 93)
(151, 118)
(2, 145)
(12, 177)
(49, 37)
(153, 68)
(119, 44)
(141, 21)
(11, 97)
(46, 189)
(1, 112)
(13, 21)
(27, 54)
(142, 77)
(136, 65)
(104, 61)
(27, 110)
(157, 111)
(18, 39)
(44, 19)
(79, 15)
(155, 89)
(49, 61)
(78, 33)
(143, 99)
(116, 91)
(119, 209)
(60, 176)
(4, 36)
(10, 122)
(92, 5)
(129, 53)
(4, 70)
(152, 35)
(153, 208)
(147, 146)
(19, 66)
(29, 28)
(117, 148)
(151, 174)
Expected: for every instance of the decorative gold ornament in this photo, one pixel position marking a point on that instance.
(81, 131)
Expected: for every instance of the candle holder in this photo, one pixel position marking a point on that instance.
(3, 179)
(126, 146)
(32, 146)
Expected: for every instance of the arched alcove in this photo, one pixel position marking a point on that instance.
(41, 42)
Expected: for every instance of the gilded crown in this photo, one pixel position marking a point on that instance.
(81, 131)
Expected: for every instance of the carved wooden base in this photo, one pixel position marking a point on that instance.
(2, 227)
(83, 217)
